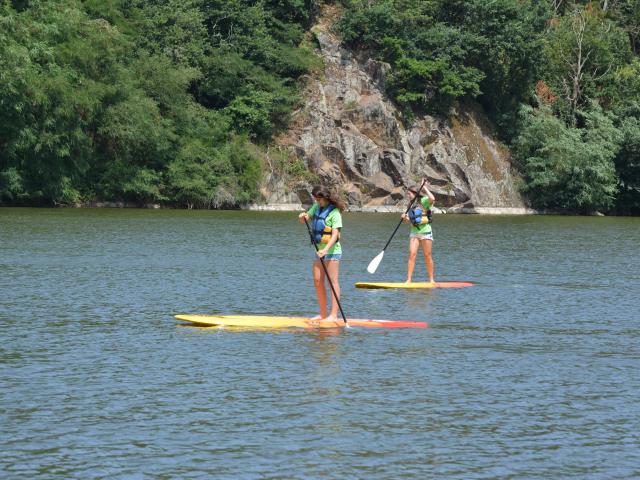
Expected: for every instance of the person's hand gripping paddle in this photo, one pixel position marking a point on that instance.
(373, 264)
(324, 267)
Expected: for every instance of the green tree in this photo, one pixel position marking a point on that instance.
(505, 44)
(627, 15)
(627, 163)
(565, 167)
(138, 100)
(583, 51)
(441, 51)
(174, 29)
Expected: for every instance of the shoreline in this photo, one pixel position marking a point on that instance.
(297, 207)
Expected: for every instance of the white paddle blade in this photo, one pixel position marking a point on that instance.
(373, 264)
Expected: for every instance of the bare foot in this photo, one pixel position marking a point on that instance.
(334, 319)
(317, 317)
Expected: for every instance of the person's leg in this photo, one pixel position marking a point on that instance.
(333, 269)
(321, 293)
(428, 260)
(414, 243)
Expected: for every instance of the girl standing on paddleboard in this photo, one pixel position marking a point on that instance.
(325, 216)
(421, 233)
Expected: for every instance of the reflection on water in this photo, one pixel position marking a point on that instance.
(533, 373)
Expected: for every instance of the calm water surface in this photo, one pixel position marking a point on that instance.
(533, 373)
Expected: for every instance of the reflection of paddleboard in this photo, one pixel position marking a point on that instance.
(287, 322)
(414, 285)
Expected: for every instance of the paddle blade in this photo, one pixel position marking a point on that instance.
(373, 264)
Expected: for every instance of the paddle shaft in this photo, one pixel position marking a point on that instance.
(405, 212)
(333, 290)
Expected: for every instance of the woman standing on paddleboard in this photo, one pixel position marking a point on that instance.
(421, 233)
(325, 216)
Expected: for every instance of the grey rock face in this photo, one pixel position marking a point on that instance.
(351, 136)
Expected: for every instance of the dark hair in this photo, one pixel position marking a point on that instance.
(416, 188)
(323, 192)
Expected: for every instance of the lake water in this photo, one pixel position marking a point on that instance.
(532, 373)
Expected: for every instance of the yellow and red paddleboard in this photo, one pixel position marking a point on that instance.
(413, 285)
(261, 321)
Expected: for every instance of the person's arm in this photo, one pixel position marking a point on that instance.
(335, 233)
(428, 193)
(308, 214)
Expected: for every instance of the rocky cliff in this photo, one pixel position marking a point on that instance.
(351, 136)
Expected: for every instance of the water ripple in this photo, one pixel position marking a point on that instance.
(533, 373)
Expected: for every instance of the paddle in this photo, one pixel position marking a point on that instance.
(373, 264)
(313, 240)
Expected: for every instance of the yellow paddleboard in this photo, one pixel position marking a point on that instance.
(413, 285)
(261, 321)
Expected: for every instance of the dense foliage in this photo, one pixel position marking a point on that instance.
(143, 100)
(172, 100)
(560, 78)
